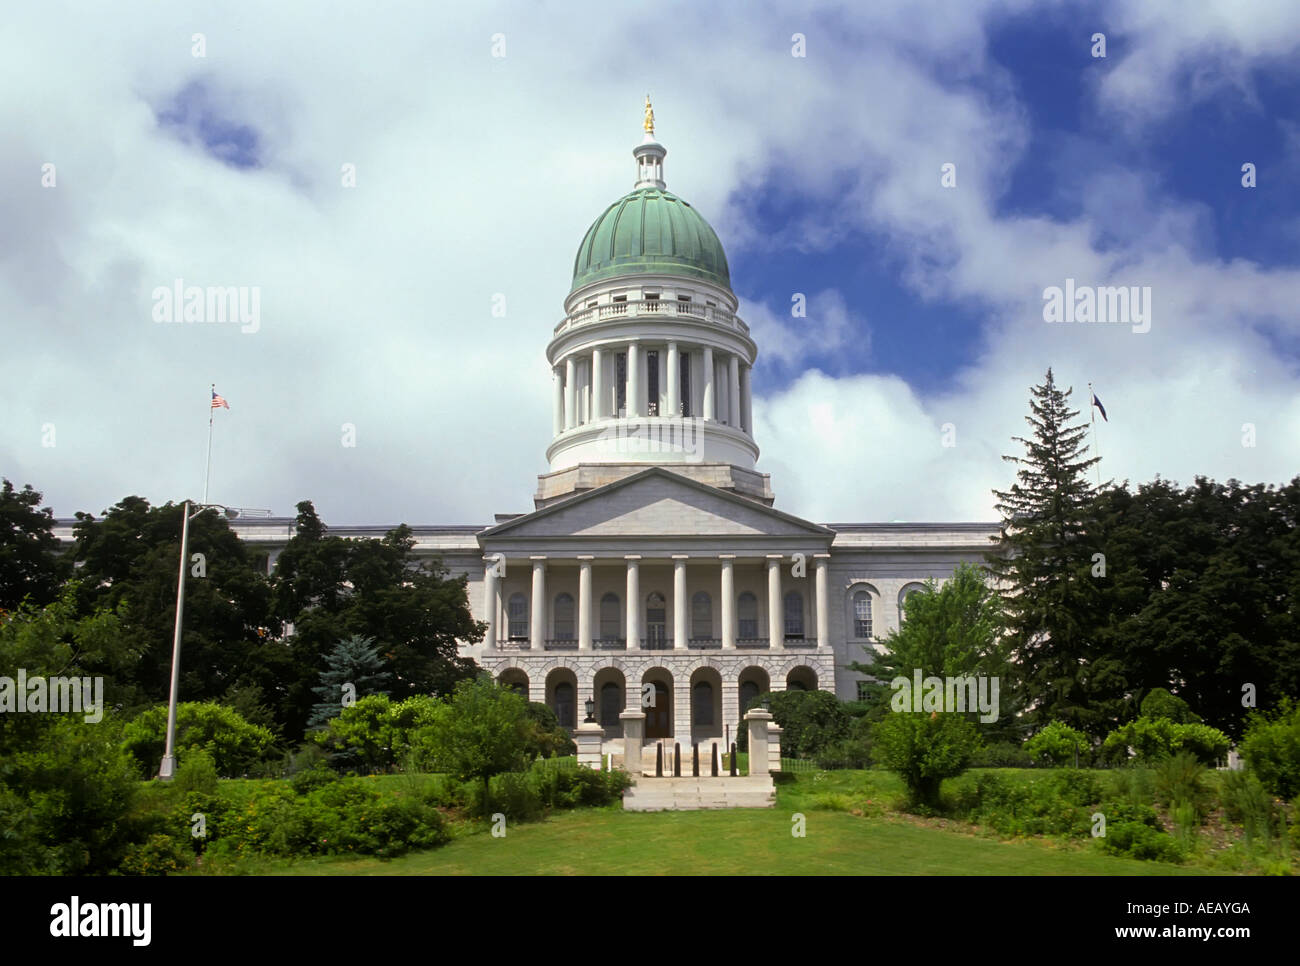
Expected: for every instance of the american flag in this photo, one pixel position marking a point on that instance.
(218, 401)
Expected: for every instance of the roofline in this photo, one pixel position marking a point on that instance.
(591, 494)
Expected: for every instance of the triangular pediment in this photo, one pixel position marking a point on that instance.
(656, 503)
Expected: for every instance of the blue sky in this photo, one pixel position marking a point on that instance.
(485, 140)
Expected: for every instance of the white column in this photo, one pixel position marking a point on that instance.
(746, 400)
(633, 609)
(823, 600)
(775, 618)
(728, 605)
(490, 606)
(557, 407)
(710, 408)
(584, 605)
(680, 603)
(597, 384)
(537, 626)
(570, 393)
(633, 380)
(733, 392)
(674, 381)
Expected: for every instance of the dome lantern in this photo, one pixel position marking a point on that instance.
(649, 155)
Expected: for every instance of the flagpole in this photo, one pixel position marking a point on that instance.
(1092, 417)
(207, 470)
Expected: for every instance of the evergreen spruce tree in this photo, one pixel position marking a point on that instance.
(356, 661)
(1044, 569)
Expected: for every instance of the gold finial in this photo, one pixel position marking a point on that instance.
(649, 116)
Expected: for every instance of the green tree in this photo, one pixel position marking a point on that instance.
(354, 661)
(128, 563)
(1272, 749)
(66, 786)
(1043, 561)
(331, 588)
(31, 565)
(810, 721)
(482, 729)
(948, 631)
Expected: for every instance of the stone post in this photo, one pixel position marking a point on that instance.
(774, 746)
(758, 721)
(588, 737)
(633, 732)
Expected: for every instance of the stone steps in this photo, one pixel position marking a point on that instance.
(684, 794)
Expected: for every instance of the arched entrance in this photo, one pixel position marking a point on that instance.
(658, 705)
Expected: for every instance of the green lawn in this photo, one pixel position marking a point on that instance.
(750, 841)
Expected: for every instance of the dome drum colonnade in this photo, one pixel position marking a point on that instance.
(651, 358)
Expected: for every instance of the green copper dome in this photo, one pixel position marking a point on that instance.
(650, 231)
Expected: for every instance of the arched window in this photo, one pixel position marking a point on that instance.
(862, 615)
(701, 616)
(564, 709)
(747, 615)
(611, 703)
(794, 615)
(748, 692)
(610, 625)
(564, 617)
(518, 609)
(702, 696)
(656, 610)
(906, 592)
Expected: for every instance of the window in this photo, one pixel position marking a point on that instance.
(748, 692)
(652, 382)
(610, 625)
(683, 305)
(564, 708)
(702, 697)
(748, 615)
(620, 383)
(652, 301)
(685, 360)
(611, 704)
(794, 615)
(655, 620)
(564, 617)
(862, 615)
(620, 305)
(701, 617)
(863, 694)
(518, 611)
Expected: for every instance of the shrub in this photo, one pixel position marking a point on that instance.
(1059, 744)
(1180, 783)
(197, 772)
(159, 855)
(361, 736)
(811, 722)
(850, 753)
(1140, 841)
(1247, 803)
(546, 739)
(234, 744)
(1271, 746)
(1154, 739)
(306, 782)
(924, 750)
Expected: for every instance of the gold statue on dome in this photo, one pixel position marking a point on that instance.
(649, 116)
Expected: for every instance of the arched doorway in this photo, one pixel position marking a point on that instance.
(659, 710)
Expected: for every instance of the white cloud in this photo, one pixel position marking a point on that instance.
(478, 176)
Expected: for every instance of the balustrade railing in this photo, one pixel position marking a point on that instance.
(634, 307)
